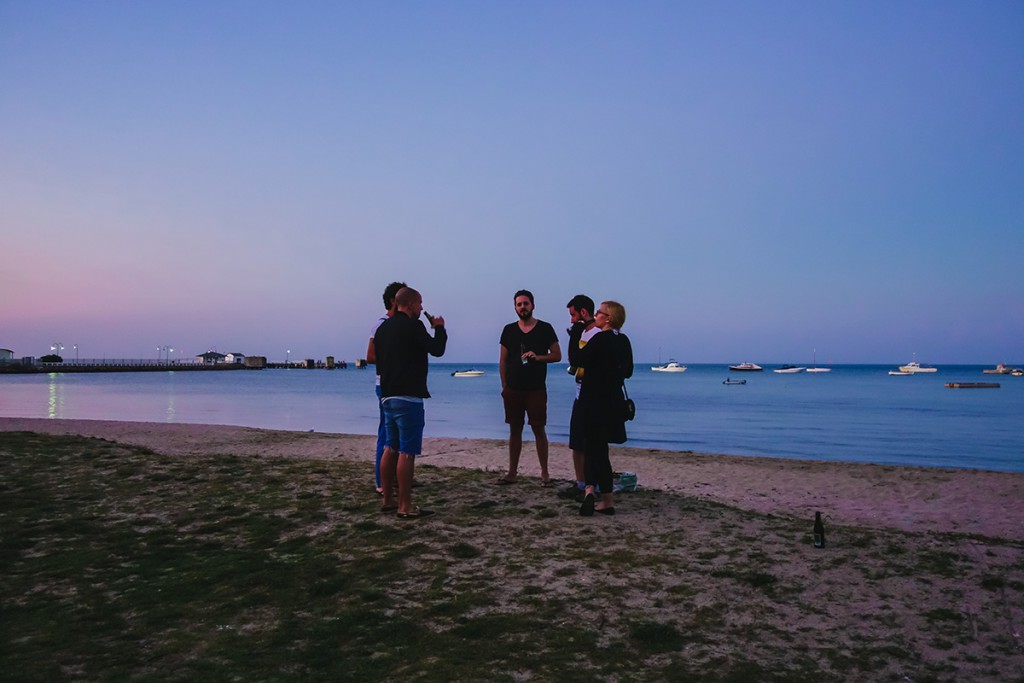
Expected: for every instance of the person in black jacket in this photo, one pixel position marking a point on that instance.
(607, 360)
(402, 344)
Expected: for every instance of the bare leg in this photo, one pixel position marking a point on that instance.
(606, 502)
(406, 465)
(515, 449)
(542, 450)
(388, 475)
(577, 466)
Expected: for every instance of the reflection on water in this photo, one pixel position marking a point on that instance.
(171, 412)
(55, 407)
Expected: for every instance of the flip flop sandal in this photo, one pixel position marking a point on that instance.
(415, 514)
(587, 507)
(503, 481)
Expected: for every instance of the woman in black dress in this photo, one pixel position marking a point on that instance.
(607, 360)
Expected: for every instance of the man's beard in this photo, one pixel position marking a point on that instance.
(525, 315)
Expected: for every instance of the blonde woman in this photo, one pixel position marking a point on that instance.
(608, 361)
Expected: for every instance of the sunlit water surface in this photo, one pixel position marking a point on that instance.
(854, 413)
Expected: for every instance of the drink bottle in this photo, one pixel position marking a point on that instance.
(522, 354)
(819, 531)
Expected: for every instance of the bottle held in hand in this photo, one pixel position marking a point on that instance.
(819, 531)
(522, 354)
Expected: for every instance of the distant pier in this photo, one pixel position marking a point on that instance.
(24, 366)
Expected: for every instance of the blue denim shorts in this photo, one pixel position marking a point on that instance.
(404, 422)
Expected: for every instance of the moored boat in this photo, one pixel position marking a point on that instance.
(788, 370)
(746, 367)
(913, 367)
(671, 366)
(1001, 369)
(468, 373)
(734, 381)
(814, 364)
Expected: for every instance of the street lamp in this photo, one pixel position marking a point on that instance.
(57, 347)
(164, 350)
(287, 356)
(76, 353)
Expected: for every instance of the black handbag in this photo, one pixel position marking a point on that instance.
(628, 406)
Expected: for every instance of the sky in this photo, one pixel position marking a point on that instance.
(754, 181)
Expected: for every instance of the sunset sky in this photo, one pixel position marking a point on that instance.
(752, 180)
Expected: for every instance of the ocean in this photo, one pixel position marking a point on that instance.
(856, 413)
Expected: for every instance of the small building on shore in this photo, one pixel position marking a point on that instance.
(6, 355)
(211, 358)
(234, 358)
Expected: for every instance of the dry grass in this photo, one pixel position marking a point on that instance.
(119, 563)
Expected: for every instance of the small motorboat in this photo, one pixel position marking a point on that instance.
(746, 367)
(914, 367)
(788, 370)
(671, 366)
(1001, 369)
(468, 373)
(900, 372)
(1017, 372)
(728, 380)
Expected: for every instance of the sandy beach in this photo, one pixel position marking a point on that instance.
(881, 496)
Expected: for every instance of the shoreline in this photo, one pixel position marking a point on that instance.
(905, 498)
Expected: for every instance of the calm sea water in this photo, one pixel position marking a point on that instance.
(854, 413)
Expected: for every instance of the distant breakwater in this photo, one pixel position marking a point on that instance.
(142, 366)
(46, 368)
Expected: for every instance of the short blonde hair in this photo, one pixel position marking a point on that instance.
(616, 314)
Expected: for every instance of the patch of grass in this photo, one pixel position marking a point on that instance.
(991, 583)
(119, 563)
(654, 636)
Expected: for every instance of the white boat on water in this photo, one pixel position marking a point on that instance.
(746, 367)
(671, 366)
(814, 364)
(1001, 369)
(913, 367)
(468, 373)
(788, 370)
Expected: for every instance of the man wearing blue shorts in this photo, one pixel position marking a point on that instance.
(371, 357)
(402, 344)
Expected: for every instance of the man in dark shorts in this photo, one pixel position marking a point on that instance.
(581, 315)
(527, 346)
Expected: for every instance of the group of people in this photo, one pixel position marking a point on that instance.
(600, 358)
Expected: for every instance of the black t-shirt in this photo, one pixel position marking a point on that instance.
(540, 339)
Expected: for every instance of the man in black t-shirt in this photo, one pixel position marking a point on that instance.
(527, 346)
